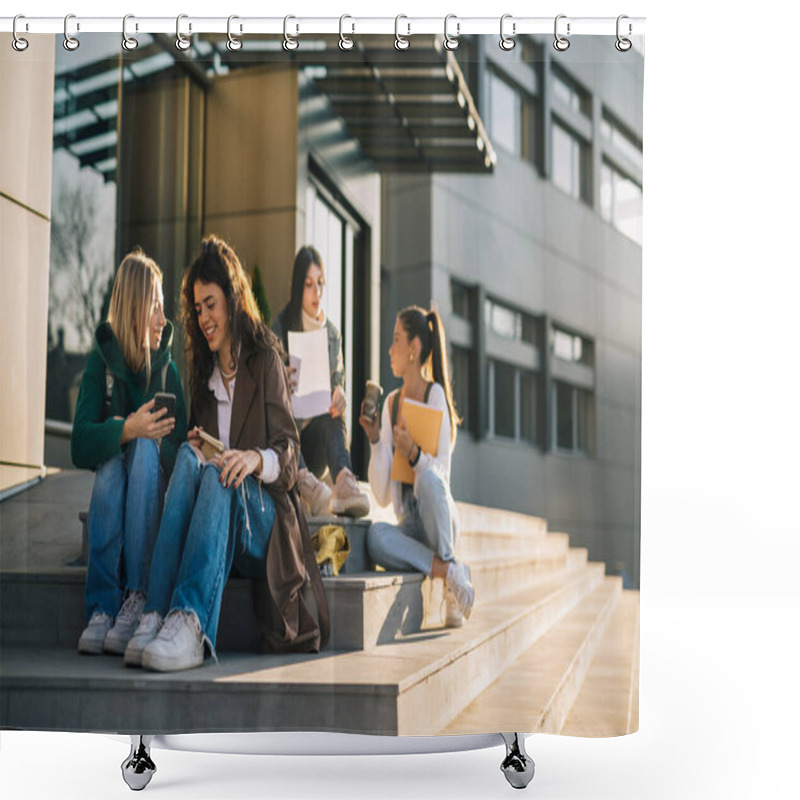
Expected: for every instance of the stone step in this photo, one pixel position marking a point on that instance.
(367, 608)
(498, 521)
(416, 685)
(46, 609)
(608, 702)
(538, 690)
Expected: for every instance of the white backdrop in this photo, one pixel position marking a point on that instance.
(720, 604)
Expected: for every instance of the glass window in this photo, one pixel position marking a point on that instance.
(505, 114)
(503, 321)
(462, 384)
(570, 163)
(528, 407)
(571, 347)
(504, 400)
(621, 202)
(572, 408)
(569, 94)
(83, 213)
(564, 421)
(509, 323)
(459, 299)
(511, 117)
(620, 138)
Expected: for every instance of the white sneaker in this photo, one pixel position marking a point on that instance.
(94, 634)
(179, 644)
(128, 618)
(459, 582)
(315, 494)
(347, 497)
(453, 618)
(149, 626)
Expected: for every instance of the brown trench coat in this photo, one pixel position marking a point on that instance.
(285, 600)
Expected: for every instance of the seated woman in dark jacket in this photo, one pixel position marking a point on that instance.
(323, 439)
(237, 507)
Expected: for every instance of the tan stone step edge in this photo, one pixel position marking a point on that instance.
(489, 588)
(535, 548)
(556, 711)
(475, 662)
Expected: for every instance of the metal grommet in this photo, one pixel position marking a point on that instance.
(233, 44)
(181, 42)
(506, 42)
(451, 42)
(561, 43)
(18, 43)
(289, 43)
(400, 42)
(345, 42)
(622, 44)
(128, 42)
(70, 42)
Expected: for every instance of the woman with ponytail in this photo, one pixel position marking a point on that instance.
(424, 538)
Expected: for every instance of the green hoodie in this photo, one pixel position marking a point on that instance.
(95, 435)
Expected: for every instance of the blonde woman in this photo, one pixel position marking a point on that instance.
(132, 448)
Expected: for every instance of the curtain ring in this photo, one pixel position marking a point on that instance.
(506, 42)
(70, 42)
(128, 42)
(400, 42)
(561, 43)
(289, 43)
(345, 42)
(622, 44)
(181, 42)
(233, 44)
(18, 43)
(451, 42)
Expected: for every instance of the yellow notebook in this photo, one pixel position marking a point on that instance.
(424, 424)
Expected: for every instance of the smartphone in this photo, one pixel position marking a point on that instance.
(210, 447)
(166, 400)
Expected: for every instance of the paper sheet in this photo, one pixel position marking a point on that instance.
(308, 353)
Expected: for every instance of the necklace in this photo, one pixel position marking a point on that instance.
(231, 374)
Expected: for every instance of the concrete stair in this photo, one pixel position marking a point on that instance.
(539, 622)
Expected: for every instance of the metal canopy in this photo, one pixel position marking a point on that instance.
(409, 110)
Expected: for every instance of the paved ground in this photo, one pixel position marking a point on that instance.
(39, 528)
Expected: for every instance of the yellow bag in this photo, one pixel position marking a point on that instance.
(332, 545)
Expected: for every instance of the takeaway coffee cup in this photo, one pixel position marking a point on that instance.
(372, 397)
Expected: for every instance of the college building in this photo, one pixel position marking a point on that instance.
(505, 188)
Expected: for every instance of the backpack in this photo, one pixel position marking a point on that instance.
(395, 404)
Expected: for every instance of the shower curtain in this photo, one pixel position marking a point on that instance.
(502, 187)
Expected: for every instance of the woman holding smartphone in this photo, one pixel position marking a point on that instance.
(132, 447)
(238, 509)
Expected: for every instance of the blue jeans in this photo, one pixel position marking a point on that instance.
(205, 530)
(428, 526)
(122, 525)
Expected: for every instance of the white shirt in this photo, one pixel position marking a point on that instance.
(270, 466)
(382, 454)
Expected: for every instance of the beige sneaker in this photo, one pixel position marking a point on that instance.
(347, 497)
(314, 494)
(453, 618)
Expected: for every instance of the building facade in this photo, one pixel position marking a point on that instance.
(503, 187)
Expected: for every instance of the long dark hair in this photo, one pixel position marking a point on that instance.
(218, 263)
(306, 256)
(427, 327)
